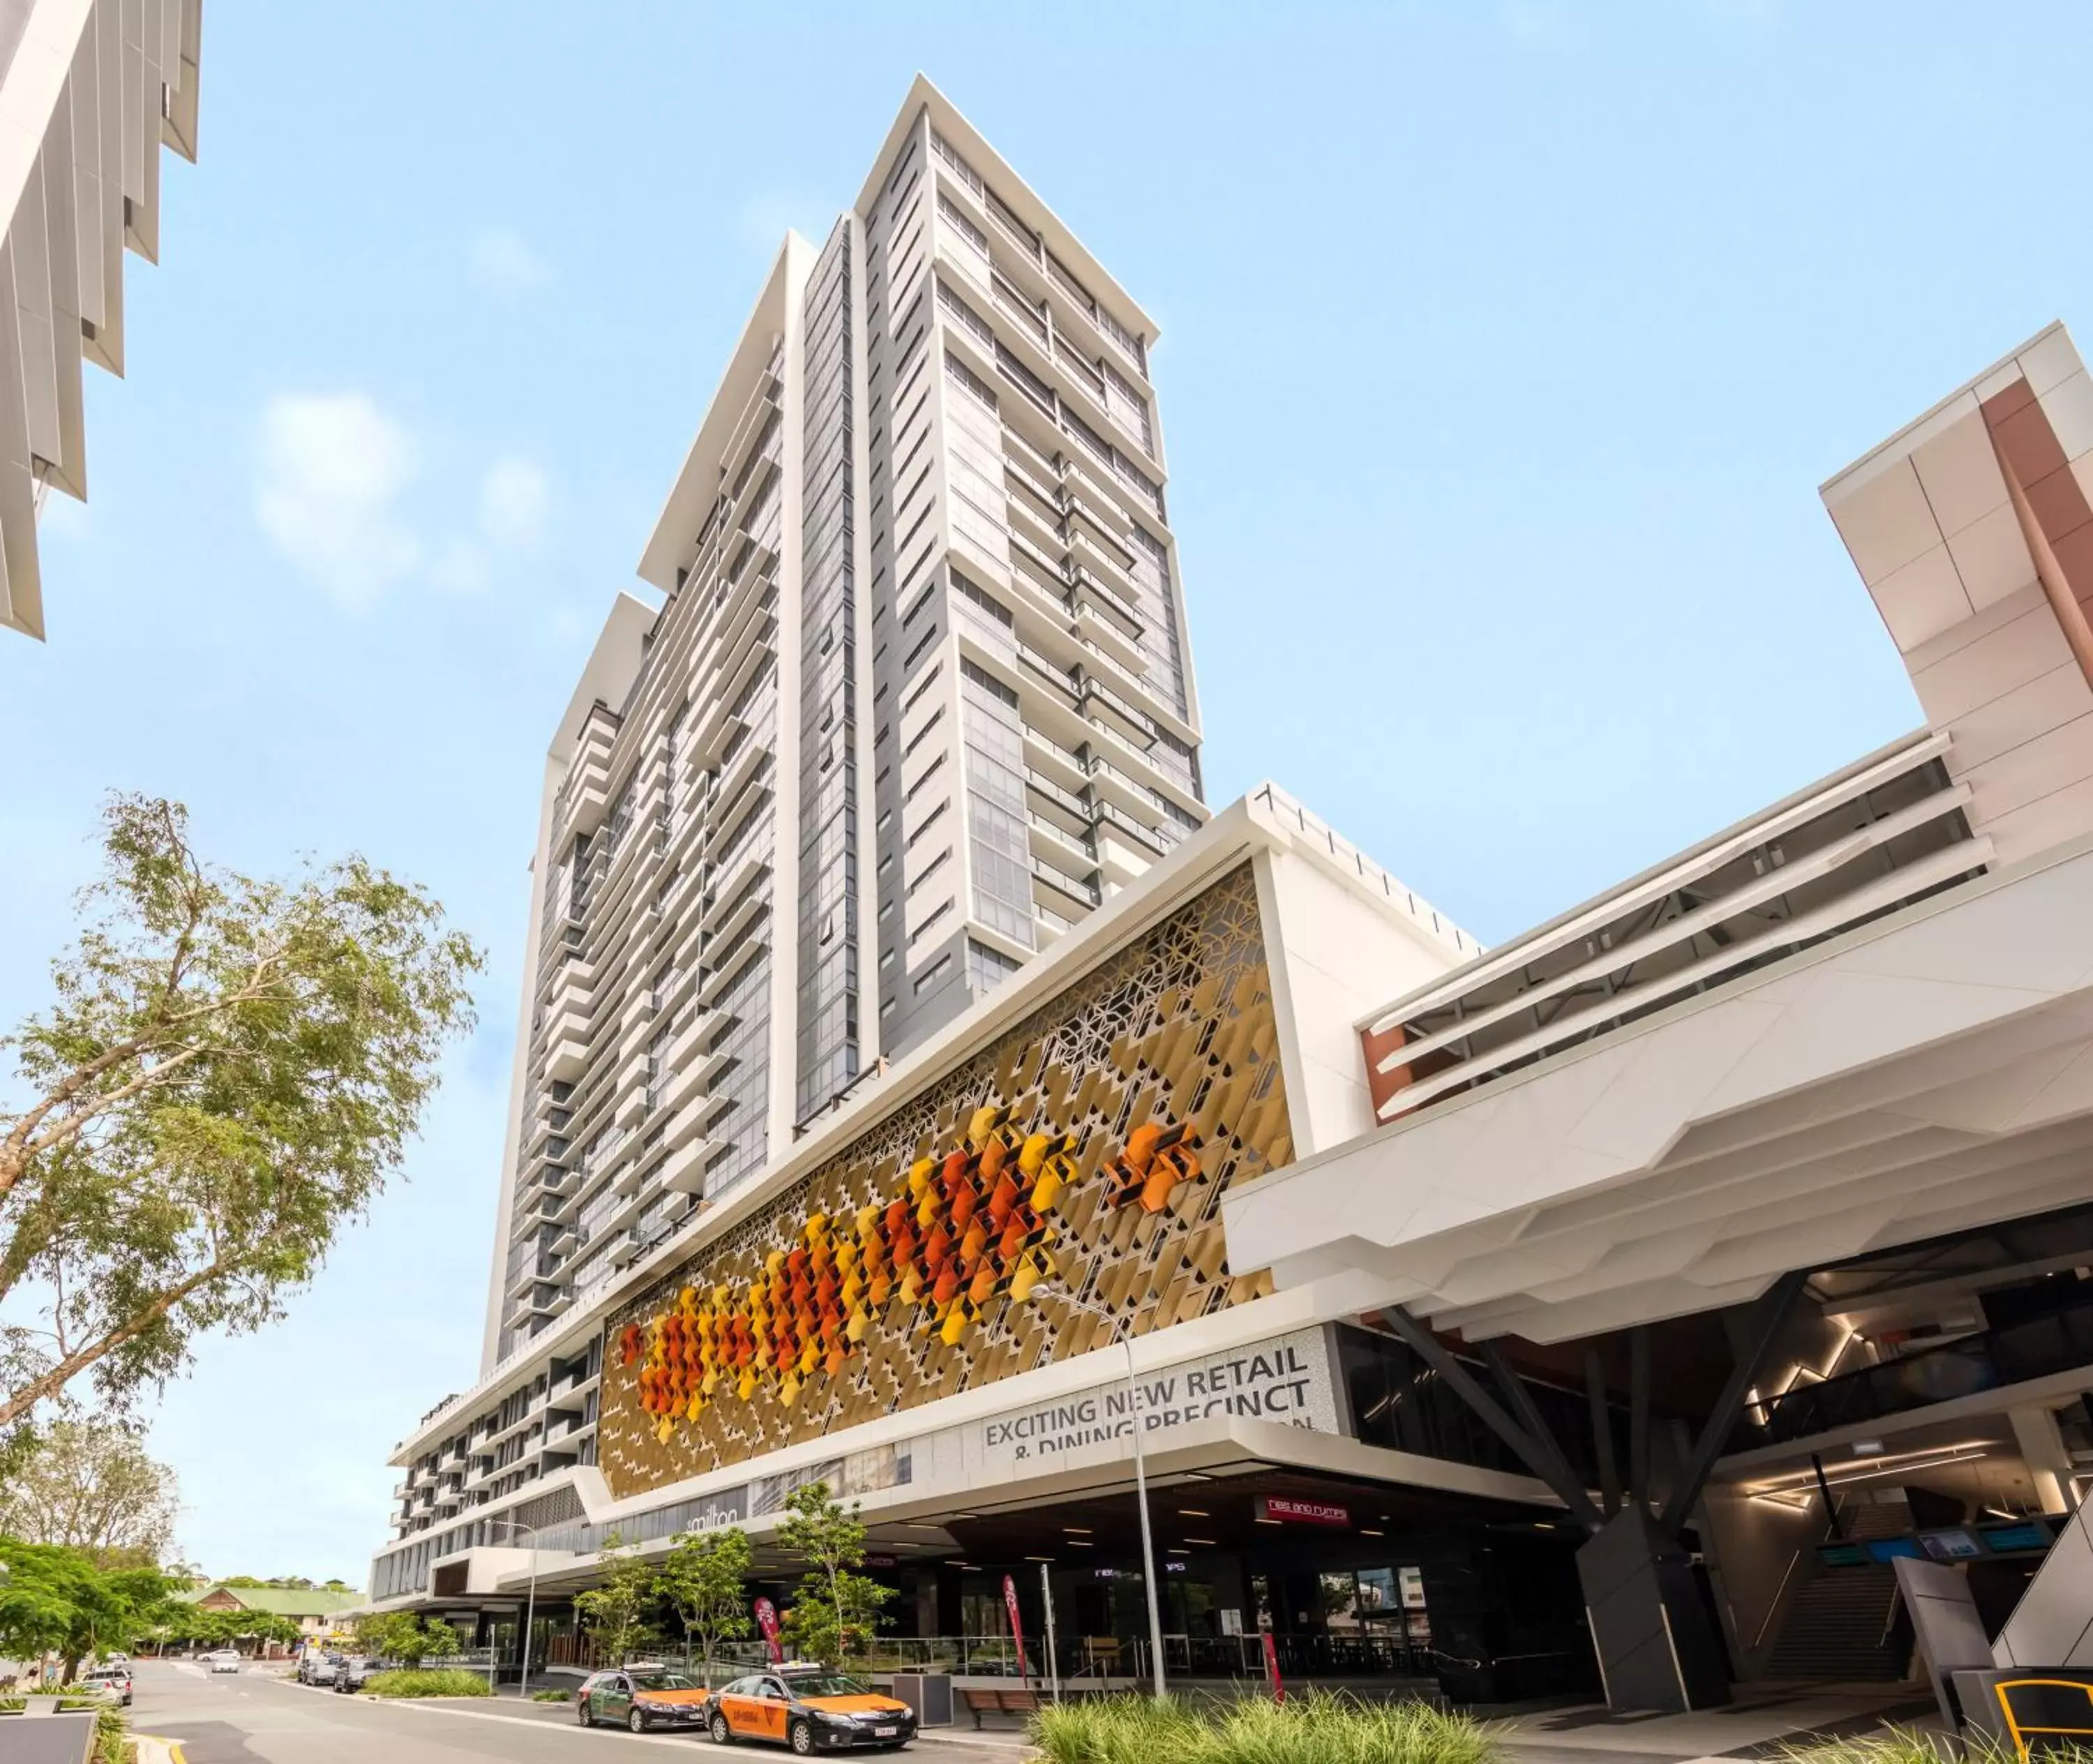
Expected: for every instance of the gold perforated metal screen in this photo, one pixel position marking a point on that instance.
(929, 1257)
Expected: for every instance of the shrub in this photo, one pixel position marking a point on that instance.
(13, 1705)
(551, 1696)
(111, 1733)
(1908, 1746)
(1315, 1729)
(447, 1681)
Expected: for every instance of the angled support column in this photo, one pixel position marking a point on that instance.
(1539, 1457)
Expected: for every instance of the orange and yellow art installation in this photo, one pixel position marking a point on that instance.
(962, 1233)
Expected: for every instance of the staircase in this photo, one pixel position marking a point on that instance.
(1834, 1624)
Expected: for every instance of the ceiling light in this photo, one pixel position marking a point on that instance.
(917, 1525)
(1367, 1531)
(1267, 1522)
(1193, 1512)
(1867, 1448)
(1544, 1524)
(1176, 1552)
(1080, 1543)
(1077, 1530)
(1207, 1540)
(1038, 1559)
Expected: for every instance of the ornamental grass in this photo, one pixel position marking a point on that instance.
(1318, 1728)
(445, 1681)
(1915, 1745)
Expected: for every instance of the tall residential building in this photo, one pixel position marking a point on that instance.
(920, 697)
(1641, 1308)
(90, 90)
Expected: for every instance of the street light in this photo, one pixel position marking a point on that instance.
(530, 1604)
(1123, 1334)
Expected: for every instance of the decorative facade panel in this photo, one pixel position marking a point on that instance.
(1085, 1151)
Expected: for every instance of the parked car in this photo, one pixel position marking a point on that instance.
(225, 1660)
(641, 1697)
(809, 1709)
(110, 1678)
(353, 1671)
(316, 1667)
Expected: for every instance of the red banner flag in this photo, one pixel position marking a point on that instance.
(1016, 1628)
(1272, 1668)
(766, 1620)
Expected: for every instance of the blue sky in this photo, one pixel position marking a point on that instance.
(1504, 348)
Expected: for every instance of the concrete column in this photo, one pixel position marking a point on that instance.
(2042, 1449)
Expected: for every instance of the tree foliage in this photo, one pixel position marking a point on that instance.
(703, 1578)
(615, 1613)
(402, 1635)
(53, 1599)
(837, 1609)
(193, 1626)
(228, 1070)
(90, 1486)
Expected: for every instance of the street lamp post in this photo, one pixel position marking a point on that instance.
(530, 1603)
(1148, 1576)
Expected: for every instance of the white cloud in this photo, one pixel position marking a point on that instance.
(513, 495)
(335, 472)
(1539, 25)
(502, 259)
(333, 466)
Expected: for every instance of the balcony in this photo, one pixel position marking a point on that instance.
(2040, 1348)
(1877, 837)
(1055, 889)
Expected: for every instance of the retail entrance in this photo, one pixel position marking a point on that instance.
(1355, 1582)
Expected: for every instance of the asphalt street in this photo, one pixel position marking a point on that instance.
(254, 1718)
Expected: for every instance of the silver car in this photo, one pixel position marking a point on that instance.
(110, 1681)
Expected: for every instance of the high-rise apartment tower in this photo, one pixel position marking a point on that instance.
(920, 697)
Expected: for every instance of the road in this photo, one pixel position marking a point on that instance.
(254, 1717)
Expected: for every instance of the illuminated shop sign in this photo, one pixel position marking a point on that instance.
(1279, 1511)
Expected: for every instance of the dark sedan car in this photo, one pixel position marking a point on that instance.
(356, 1669)
(641, 1697)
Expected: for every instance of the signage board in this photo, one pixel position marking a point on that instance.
(1277, 1510)
(1285, 1379)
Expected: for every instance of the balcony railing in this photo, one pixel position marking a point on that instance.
(2059, 1342)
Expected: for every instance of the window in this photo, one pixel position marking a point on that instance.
(922, 644)
(929, 772)
(982, 599)
(988, 969)
(922, 735)
(965, 376)
(928, 821)
(949, 212)
(943, 907)
(933, 973)
(920, 687)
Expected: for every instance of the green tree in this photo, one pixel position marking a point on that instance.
(54, 1600)
(614, 1613)
(402, 1635)
(703, 1578)
(91, 1486)
(228, 1072)
(837, 1609)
